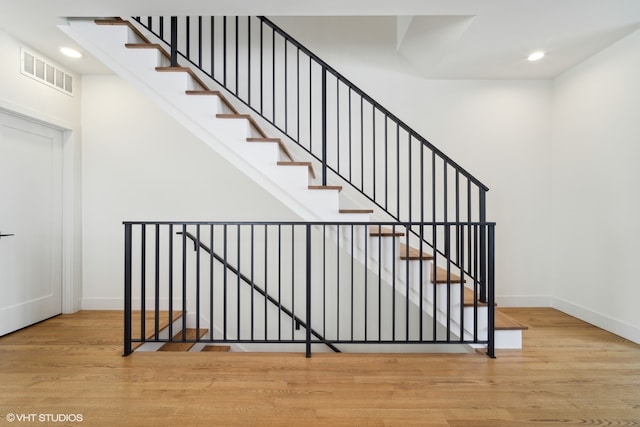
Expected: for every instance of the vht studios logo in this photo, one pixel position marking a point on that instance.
(45, 418)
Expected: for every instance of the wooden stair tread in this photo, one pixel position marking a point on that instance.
(411, 253)
(356, 211)
(243, 116)
(118, 21)
(187, 70)
(469, 298)
(178, 345)
(441, 276)
(160, 49)
(504, 322)
(282, 146)
(217, 93)
(216, 348)
(325, 187)
(292, 163)
(149, 324)
(376, 230)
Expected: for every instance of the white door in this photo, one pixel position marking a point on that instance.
(31, 220)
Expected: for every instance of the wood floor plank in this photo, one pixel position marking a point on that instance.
(568, 373)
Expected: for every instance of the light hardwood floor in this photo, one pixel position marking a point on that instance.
(569, 373)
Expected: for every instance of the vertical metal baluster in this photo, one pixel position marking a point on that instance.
(273, 75)
(409, 174)
(373, 152)
(249, 61)
(224, 51)
(361, 143)
(338, 124)
(298, 94)
(469, 219)
(434, 239)
(211, 281)
(393, 287)
(286, 88)
(127, 288)
(197, 248)
(170, 279)
(293, 280)
(457, 184)
(279, 282)
(483, 241)
(308, 296)
(324, 280)
(324, 126)
(310, 109)
(261, 66)
(386, 163)
(398, 172)
(366, 281)
(238, 269)
(184, 282)
(188, 35)
(379, 236)
(143, 284)
(422, 201)
(350, 137)
(352, 278)
(447, 243)
(224, 282)
(266, 281)
(162, 28)
(406, 294)
(200, 41)
(237, 55)
(253, 282)
(337, 282)
(174, 41)
(156, 315)
(213, 47)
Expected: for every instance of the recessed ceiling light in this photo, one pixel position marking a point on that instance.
(536, 56)
(72, 53)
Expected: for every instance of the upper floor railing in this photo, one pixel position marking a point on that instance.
(301, 283)
(352, 136)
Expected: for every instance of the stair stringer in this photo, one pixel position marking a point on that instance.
(197, 114)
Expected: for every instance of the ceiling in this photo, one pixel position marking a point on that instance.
(437, 39)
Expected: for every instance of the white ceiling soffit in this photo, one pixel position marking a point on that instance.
(425, 40)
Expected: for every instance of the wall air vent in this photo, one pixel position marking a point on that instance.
(44, 71)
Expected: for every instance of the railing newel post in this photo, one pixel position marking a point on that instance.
(127, 288)
(491, 291)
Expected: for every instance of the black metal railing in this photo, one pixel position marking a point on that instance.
(302, 283)
(352, 136)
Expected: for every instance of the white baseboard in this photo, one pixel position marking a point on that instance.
(615, 326)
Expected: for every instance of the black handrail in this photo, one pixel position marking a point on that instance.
(253, 285)
(378, 106)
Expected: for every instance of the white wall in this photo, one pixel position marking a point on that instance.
(29, 98)
(500, 131)
(139, 164)
(596, 189)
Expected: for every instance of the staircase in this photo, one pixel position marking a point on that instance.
(246, 139)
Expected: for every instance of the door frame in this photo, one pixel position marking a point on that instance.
(71, 203)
